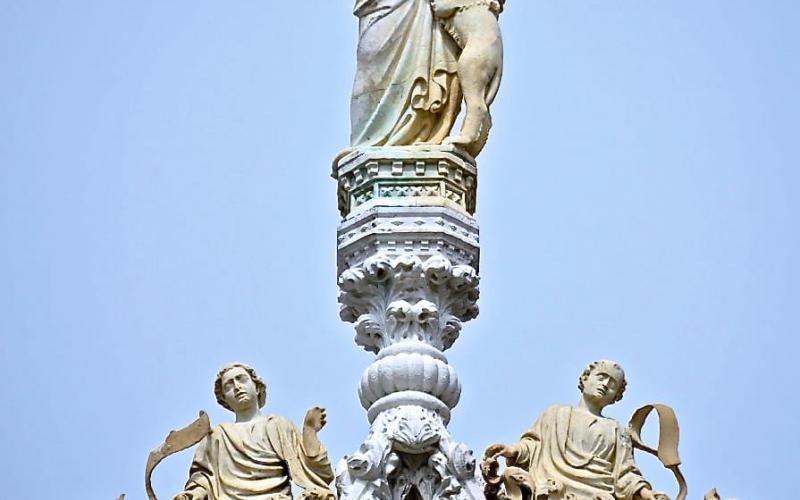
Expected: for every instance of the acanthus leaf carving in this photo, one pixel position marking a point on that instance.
(405, 298)
(408, 447)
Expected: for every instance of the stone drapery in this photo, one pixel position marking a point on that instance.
(406, 89)
(568, 451)
(256, 460)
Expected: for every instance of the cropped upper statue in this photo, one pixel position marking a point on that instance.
(414, 59)
(257, 457)
(574, 452)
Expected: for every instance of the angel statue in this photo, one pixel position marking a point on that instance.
(574, 452)
(256, 457)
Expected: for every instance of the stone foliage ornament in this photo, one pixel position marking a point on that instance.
(257, 457)
(408, 452)
(414, 60)
(575, 453)
(408, 311)
(408, 256)
(407, 299)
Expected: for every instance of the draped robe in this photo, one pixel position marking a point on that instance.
(583, 455)
(406, 87)
(256, 460)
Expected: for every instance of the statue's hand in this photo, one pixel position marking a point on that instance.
(501, 450)
(315, 419)
(193, 494)
(648, 494)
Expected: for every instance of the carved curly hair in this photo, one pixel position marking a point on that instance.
(260, 385)
(593, 365)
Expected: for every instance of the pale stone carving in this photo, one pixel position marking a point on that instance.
(668, 437)
(411, 55)
(408, 255)
(409, 454)
(176, 441)
(396, 231)
(406, 86)
(408, 311)
(402, 299)
(406, 177)
(573, 453)
(257, 457)
(473, 26)
(407, 200)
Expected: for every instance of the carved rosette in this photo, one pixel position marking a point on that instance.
(408, 257)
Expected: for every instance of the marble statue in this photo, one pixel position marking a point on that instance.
(414, 57)
(574, 452)
(473, 26)
(257, 457)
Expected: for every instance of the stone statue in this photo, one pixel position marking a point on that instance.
(411, 55)
(574, 453)
(473, 26)
(257, 457)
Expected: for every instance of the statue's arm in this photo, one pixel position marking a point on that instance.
(193, 492)
(315, 420)
(197, 487)
(630, 480)
(305, 456)
(525, 449)
(518, 454)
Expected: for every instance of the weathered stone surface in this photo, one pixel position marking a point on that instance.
(408, 247)
(473, 26)
(409, 454)
(414, 59)
(408, 256)
(258, 457)
(573, 452)
(420, 231)
(406, 298)
(414, 176)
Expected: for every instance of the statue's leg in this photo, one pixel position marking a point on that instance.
(477, 66)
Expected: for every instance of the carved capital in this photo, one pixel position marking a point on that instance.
(392, 300)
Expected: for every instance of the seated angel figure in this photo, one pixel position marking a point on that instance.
(574, 452)
(473, 26)
(257, 457)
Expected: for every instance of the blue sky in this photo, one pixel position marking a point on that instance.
(165, 208)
